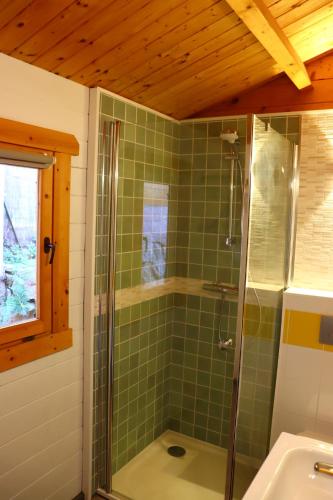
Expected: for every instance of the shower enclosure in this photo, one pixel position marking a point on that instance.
(192, 244)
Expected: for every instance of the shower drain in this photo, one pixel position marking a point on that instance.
(176, 451)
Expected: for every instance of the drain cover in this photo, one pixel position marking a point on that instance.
(176, 451)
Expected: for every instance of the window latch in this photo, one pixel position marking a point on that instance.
(49, 246)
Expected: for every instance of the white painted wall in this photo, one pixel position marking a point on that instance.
(41, 402)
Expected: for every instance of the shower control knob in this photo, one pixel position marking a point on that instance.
(224, 345)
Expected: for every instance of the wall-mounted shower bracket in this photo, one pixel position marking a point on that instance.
(230, 240)
(224, 345)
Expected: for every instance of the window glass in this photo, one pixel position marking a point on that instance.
(18, 244)
(155, 231)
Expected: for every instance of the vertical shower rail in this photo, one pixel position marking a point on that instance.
(106, 299)
(229, 240)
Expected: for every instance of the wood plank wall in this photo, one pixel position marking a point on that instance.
(280, 95)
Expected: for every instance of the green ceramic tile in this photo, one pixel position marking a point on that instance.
(107, 103)
(130, 113)
(119, 109)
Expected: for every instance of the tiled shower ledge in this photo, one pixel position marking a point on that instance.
(268, 294)
(189, 286)
(130, 296)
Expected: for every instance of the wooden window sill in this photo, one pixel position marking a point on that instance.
(20, 352)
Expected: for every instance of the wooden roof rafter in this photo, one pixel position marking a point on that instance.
(258, 19)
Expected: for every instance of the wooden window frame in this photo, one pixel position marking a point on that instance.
(34, 339)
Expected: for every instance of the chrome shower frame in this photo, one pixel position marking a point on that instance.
(291, 239)
(240, 309)
(111, 302)
(106, 304)
(293, 216)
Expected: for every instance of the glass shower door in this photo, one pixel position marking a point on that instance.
(272, 170)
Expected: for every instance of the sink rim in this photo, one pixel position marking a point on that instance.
(271, 467)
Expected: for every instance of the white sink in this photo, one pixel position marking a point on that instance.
(288, 471)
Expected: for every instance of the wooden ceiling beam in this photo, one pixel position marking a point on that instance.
(279, 95)
(259, 20)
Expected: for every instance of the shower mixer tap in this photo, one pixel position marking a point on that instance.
(219, 287)
(223, 289)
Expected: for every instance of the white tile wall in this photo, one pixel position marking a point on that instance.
(269, 214)
(76, 264)
(77, 237)
(41, 402)
(303, 394)
(314, 242)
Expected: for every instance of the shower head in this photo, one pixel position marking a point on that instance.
(230, 136)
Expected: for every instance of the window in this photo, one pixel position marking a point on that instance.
(19, 233)
(34, 246)
(155, 231)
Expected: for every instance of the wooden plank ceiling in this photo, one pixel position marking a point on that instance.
(175, 56)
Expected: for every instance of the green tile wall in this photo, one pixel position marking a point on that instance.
(142, 353)
(289, 126)
(169, 372)
(148, 156)
(201, 374)
(99, 403)
(260, 351)
(204, 191)
(146, 250)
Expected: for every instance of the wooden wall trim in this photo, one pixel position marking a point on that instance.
(60, 267)
(280, 95)
(42, 345)
(49, 333)
(23, 134)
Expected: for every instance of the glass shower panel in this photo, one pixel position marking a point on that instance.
(171, 384)
(272, 173)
